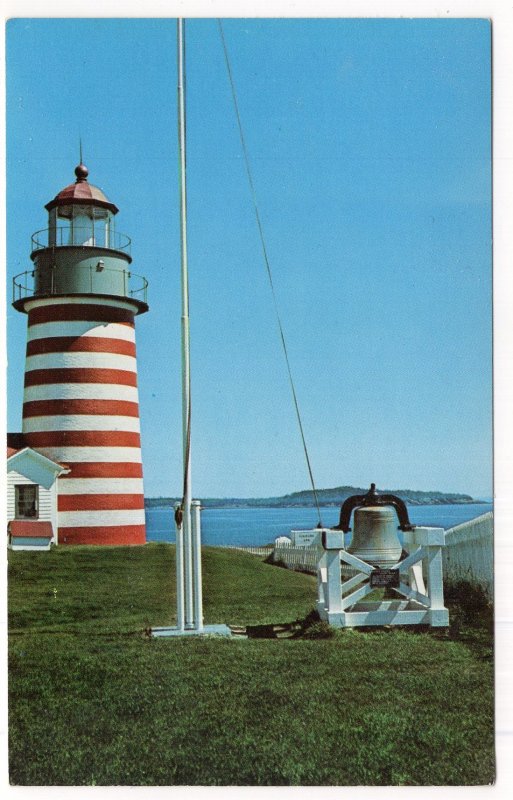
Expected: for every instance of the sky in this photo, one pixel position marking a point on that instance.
(370, 146)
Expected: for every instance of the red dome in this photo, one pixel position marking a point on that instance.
(81, 193)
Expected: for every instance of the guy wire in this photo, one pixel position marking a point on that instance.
(267, 263)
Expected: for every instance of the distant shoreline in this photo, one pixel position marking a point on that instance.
(287, 502)
(308, 505)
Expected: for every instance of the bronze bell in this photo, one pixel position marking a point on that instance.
(375, 538)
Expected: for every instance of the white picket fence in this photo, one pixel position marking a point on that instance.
(255, 551)
(304, 558)
(468, 554)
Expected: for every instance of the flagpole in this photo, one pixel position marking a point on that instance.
(185, 554)
(189, 591)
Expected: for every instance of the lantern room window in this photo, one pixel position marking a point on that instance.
(82, 225)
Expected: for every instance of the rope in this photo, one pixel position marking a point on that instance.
(187, 449)
(267, 263)
(180, 509)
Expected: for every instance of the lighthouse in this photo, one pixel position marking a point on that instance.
(80, 404)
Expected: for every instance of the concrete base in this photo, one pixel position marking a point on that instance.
(207, 630)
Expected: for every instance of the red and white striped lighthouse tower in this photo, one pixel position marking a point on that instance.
(80, 400)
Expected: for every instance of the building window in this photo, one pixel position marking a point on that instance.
(26, 501)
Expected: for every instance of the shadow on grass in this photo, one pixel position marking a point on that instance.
(311, 627)
(471, 623)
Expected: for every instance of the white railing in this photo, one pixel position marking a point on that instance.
(468, 554)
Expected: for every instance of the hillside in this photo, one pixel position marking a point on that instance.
(327, 497)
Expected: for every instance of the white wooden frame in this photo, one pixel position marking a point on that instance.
(419, 603)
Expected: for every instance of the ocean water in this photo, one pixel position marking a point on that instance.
(245, 527)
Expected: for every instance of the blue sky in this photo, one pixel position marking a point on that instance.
(370, 147)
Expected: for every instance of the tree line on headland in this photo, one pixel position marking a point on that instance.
(326, 497)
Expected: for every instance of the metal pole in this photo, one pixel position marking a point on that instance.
(186, 400)
(196, 562)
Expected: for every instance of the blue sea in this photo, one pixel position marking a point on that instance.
(246, 527)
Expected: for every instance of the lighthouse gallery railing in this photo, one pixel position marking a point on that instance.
(136, 286)
(81, 236)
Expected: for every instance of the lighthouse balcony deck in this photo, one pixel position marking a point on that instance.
(89, 278)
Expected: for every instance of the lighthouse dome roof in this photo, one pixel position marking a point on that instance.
(81, 193)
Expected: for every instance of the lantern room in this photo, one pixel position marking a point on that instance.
(80, 252)
(81, 215)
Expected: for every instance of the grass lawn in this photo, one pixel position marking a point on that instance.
(94, 700)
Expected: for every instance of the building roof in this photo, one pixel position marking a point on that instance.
(31, 528)
(81, 193)
(16, 444)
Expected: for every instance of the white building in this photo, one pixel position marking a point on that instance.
(31, 499)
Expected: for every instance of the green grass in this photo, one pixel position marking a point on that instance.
(93, 700)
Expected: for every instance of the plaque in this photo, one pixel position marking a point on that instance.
(385, 577)
(305, 538)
